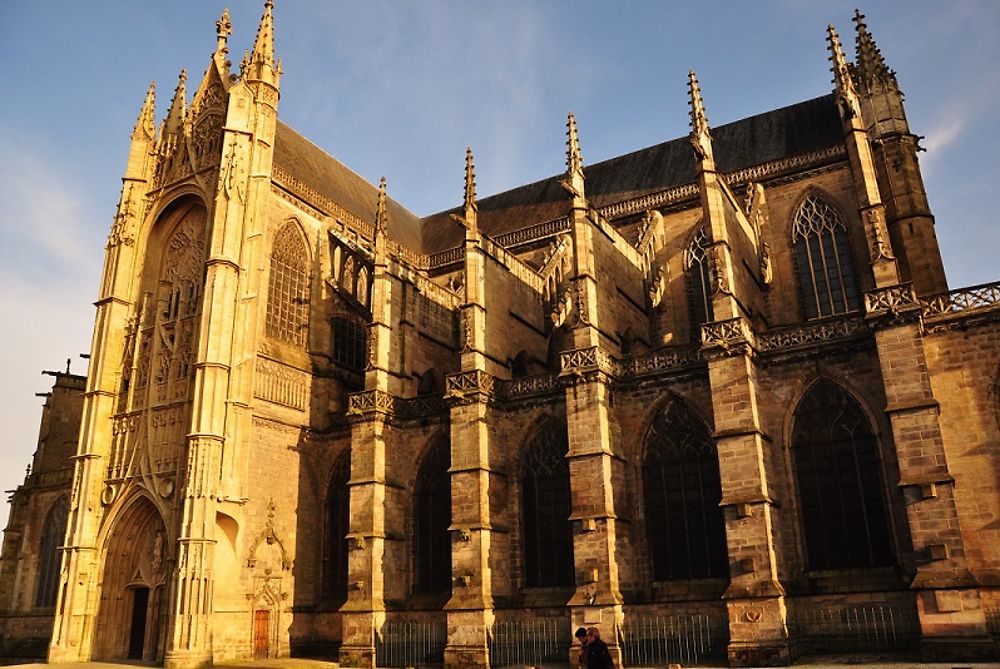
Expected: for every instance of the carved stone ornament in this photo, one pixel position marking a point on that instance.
(369, 402)
(892, 300)
(879, 248)
(269, 536)
(584, 361)
(464, 384)
(561, 308)
(732, 336)
(656, 287)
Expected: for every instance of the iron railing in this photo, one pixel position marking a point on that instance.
(848, 629)
(410, 643)
(661, 640)
(529, 642)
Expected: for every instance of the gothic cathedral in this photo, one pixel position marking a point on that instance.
(714, 396)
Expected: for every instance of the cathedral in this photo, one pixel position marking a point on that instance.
(714, 397)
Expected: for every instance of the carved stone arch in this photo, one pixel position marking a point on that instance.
(362, 289)
(136, 553)
(859, 392)
(638, 444)
(843, 495)
(169, 206)
(269, 536)
(820, 193)
(282, 235)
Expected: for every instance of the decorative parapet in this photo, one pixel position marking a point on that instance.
(446, 257)
(730, 336)
(371, 402)
(527, 385)
(588, 360)
(810, 334)
(983, 296)
(464, 384)
(420, 406)
(281, 384)
(534, 232)
(661, 361)
(892, 301)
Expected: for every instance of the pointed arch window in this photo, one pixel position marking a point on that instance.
(682, 491)
(337, 526)
(697, 265)
(433, 517)
(546, 506)
(288, 287)
(823, 260)
(839, 480)
(49, 558)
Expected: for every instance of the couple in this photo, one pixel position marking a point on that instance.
(593, 652)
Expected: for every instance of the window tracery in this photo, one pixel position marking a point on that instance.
(288, 288)
(682, 491)
(350, 341)
(545, 507)
(823, 260)
(697, 264)
(839, 479)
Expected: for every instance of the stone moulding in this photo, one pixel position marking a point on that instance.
(892, 300)
(728, 334)
(813, 333)
(983, 296)
(581, 361)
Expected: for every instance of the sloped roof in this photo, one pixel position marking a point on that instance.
(312, 166)
(799, 128)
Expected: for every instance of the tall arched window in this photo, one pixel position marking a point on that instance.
(839, 481)
(288, 287)
(696, 264)
(682, 490)
(337, 525)
(433, 516)
(53, 534)
(823, 260)
(546, 506)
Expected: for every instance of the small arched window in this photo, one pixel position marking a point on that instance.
(338, 500)
(362, 287)
(697, 266)
(823, 260)
(288, 287)
(433, 517)
(350, 342)
(53, 535)
(682, 491)
(839, 481)
(546, 506)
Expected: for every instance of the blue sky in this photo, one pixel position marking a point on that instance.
(401, 88)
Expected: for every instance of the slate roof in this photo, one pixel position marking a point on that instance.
(313, 166)
(799, 128)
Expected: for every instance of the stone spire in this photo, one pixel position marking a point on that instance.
(470, 181)
(574, 159)
(174, 122)
(145, 126)
(701, 138)
(381, 212)
(223, 29)
(847, 95)
(868, 60)
(262, 66)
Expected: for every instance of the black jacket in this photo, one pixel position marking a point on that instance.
(598, 656)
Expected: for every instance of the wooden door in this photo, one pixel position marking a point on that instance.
(261, 626)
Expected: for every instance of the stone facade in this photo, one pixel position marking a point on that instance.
(719, 382)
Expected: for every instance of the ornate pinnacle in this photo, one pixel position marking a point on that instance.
(223, 29)
(262, 55)
(574, 159)
(175, 117)
(847, 96)
(145, 125)
(470, 180)
(701, 138)
(381, 213)
(870, 63)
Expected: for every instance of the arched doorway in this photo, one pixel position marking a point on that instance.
(131, 609)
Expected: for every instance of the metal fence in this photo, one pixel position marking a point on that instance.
(662, 640)
(993, 626)
(408, 643)
(848, 629)
(529, 642)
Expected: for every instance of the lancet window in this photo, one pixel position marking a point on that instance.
(288, 288)
(53, 535)
(839, 479)
(823, 260)
(697, 264)
(350, 341)
(337, 526)
(432, 545)
(682, 491)
(546, 506)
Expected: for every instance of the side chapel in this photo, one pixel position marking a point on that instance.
(721, 379)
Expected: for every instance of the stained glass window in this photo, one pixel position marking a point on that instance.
(433, 516)
(546, 506)
(823, 260)
(288, 288)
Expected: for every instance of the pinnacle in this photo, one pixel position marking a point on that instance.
(470, 179)
(144, 126)
(381, 213)
(871, 65)
(699, 120)
(574, 159)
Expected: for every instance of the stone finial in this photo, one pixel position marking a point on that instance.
(847, 95)
(145, 126)
(381, 212)
(701, 138)
(470, 181)
(574, 159)
(868, 59)
(223, 29)
(261, 65)
(175, 116)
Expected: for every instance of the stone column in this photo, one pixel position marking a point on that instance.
(952, 621)
(758, 632)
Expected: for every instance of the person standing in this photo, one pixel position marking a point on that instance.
(581, 636)
(598, 656)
